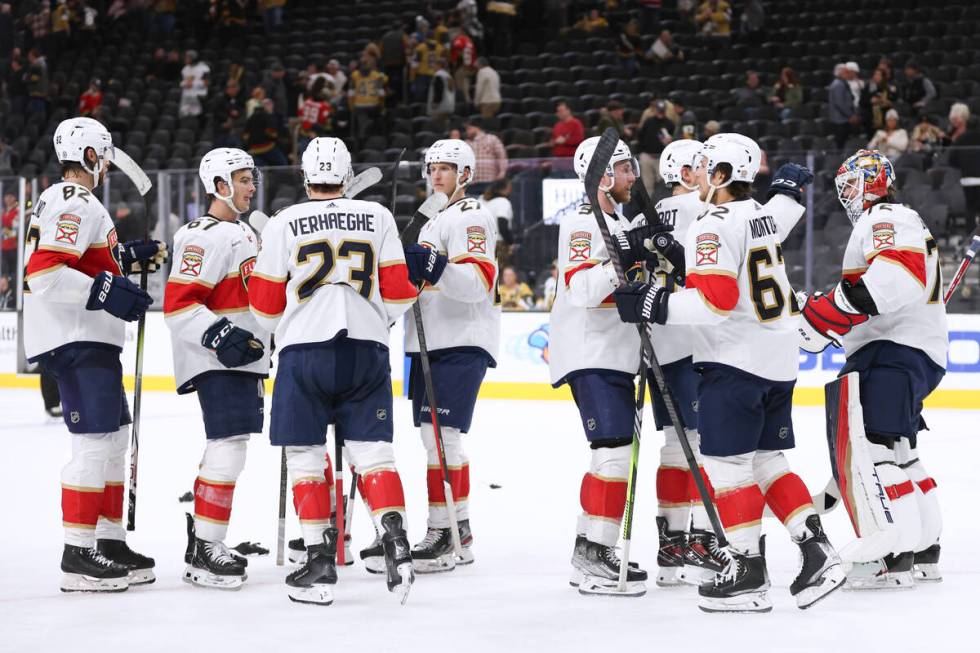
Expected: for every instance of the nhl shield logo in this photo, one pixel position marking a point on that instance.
(382, 414)
(75, 417)
(783, 432)
(591, 424)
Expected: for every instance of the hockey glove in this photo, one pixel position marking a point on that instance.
(644, 302)
(424, 264)
(118, 296)
(673, 252)
(790, 180)
(135, 253)
(632, 244)
(828, 317)
(234, 345)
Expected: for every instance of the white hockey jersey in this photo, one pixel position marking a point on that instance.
(586, 332)
(70, 240)
(213, 260)
(674, 342)
(462, 309)
(738, 297)
(892, 250)
(329, 267)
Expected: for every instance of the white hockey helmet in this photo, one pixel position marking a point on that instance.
(75, 135)
(585, 150)
(740, 152)
(326, 160)
(220, 163)
(454, 151)
(675, 157)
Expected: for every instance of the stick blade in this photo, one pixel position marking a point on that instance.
(132, 170)
(363, 181)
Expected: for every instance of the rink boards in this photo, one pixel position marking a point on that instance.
(522, 369)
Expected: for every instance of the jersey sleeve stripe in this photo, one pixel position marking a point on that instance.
(913, 261)
(394, 284)
(64, 250)
(486, 268)
(228, 295)
(267, 297)
(570, 272)
(179, 297)
(719, 290)
(43, 261)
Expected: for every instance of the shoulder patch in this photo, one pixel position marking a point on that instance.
(66, 230)
(707, 245)
(883, 235)
(245, 270)
(192, 260)
(476, 240)
(580, 246)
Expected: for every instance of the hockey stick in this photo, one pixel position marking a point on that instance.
(143, 184)
(394, 182)
(435, 203)
(596, 170)
(649, 212)
(338, 489)
(971, 252)
(281, 538)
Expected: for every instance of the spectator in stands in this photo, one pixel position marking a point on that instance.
(515, 295)
(496, 200)
(877, 97)
(7, 300)
(487, 92)
(37, 82)
(491, 157)
(892, 141)
(965, 155)
(629, 47)
(194, 85)
(787, 93)
(229, 116)
(711, 128)
(751, 95)
(91, 99)
(614, 116)
(567, 132)
(917, 89)
(254, 102)
(60, 29)
(655, 134)
(231, 17)
(462, 55)
(6, 30)
(337, 90)
(8, 245)
(158, 65)
(753, 20)
(366, 97)
(424, 59)
(8, 159)
(442, 94)
(165, 17)
(843, 116)
(271, 14)
(591, 22)
(261, 137)
(274, 83)
(714, 18)
(687, 121)
(394, 45)
(38, 23)
(855, 82)
(550, 289)
(926, 137)
(665, 49)
(16, 82)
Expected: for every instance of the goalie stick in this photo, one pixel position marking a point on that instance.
(593, 176)
(971, 252)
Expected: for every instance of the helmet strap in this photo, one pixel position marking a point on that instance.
(229, 199)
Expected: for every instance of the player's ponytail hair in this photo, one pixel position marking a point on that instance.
(739, 190)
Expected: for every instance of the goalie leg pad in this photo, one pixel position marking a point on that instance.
(925, 494)
(901, 491)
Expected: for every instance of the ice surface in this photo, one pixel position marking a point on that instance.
(515, 598)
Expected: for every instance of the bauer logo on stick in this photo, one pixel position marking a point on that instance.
(707, 249)
(192, 261)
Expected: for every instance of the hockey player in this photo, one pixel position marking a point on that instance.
(598, 356)
(462, 329)
(76, 301)
(692, 556)
(744, 316)
(330, 279)
(888, 313)
(220, 352)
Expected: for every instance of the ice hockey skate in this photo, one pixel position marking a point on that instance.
(599, 566)
(87, 570)
(297, 551)
(578, 562)
(466, 540)
(891, 573)
(373, 556)
(140, 566)
(703, 558)
(741, 587)
(434, 554)
(925, 565)
(397, 556)
(670, 556)
(312, 583)
(821, 572)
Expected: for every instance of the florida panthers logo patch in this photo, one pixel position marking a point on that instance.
(883, 234)
(707, 249)
(245, 270)
(580, 246)
(67, 229)
(476, 240)
(192, 260)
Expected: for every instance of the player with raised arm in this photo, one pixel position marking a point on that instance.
(76, 300)
(598, 357)
(744, 317)
(455, 264)
(888, 314)
(330, 280)
(220, 352)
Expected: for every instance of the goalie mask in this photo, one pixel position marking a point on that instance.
(863, 179)
(75, 135)
(221, 163)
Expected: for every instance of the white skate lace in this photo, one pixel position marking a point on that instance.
(730, 572)
(610, 555)
(219, 553)
(432, 537)
(100, 559)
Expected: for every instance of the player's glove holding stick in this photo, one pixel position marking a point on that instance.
(424, 264)
(118, 296)
(233, 345)
(134, 254)
(642, 302)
